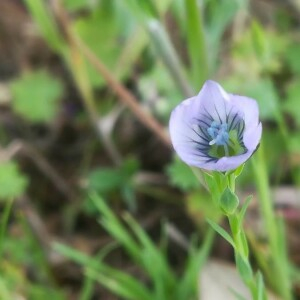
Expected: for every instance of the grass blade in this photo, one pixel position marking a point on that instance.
(187, 289)
(222, 232)
(196, 43)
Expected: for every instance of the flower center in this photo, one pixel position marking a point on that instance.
(225, 140)
(219, 133)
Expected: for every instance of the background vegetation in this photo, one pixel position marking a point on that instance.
(94, 204)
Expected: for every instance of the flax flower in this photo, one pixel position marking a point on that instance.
(215, 130)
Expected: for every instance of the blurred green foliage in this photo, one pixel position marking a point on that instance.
(163, 283)
(162, 51)
(12, 181)
(106, 181)
(103, 31)
(36, 96)
(182, 176)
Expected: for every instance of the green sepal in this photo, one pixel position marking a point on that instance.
(237, 172)
(216, 183)
(229, 202)
(221, 180)
(212, 186)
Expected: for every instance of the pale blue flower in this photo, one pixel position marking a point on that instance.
(215, 130)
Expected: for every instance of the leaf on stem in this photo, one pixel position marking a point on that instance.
(244, 268)
(242, 213)
(261, 292)
(221, 232)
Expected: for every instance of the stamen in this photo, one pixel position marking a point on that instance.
(223, 140)
(219, 133)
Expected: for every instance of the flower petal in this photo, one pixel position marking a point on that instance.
(252, 137)
(231, 162)
(214, 100)
(253, 128)
(191, 119)
(184, 136)
(248, 106)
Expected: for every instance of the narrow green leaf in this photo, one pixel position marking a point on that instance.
(261, 292)
(74, 254)
(158, 263)
(102, 207)
(130, 54)
(115, 228)
(244, 241)
(196, 43)
(283, 259)
(244, 209)
(219, 15)
(222, 232)
(47, 25)
(259, 41)
(123, 237)
(87, 289)
(121, 284)
(244, 268)
(187, 287)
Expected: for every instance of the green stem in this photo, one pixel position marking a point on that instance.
(238, 237)
(231, 182)
(241, 249)
(281, 283)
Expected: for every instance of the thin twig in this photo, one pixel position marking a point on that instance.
(124, 94)
(77, 66)
(35, 222)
